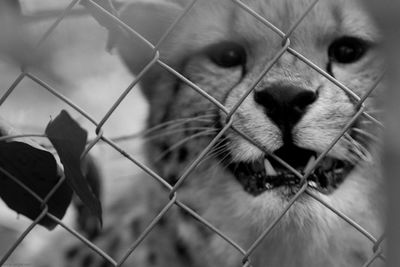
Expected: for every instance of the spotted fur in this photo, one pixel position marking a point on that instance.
(309, 234)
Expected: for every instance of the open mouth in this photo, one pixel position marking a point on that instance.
(267, 174)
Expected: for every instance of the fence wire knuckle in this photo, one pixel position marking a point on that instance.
(104, 12)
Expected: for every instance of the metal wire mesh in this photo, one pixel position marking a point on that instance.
(376, 249)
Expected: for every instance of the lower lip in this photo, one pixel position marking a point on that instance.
(256, 183)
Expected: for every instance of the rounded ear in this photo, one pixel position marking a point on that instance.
(150, 19)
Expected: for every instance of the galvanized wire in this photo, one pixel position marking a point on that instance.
(173, 191)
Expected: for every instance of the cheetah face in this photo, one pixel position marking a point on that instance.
(293, 114)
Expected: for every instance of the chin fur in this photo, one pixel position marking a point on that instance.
(309, 234)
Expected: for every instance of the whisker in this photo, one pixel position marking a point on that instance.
(375, 111)
(366, 134)
(358, 149)
(172, 123)
(175, 131)
(222, 162)
(366, 122)
(183, 141)
(218, 149)
(216, 152)
(205, 117)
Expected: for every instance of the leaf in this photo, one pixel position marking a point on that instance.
(37, 169)
(69, 139)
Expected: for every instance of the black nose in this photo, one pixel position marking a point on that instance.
(285, 104)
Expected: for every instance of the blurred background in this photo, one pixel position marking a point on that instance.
(73, 61)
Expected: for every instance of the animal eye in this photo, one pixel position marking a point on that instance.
(227, 54)
(347, 50)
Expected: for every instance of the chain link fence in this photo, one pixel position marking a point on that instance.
(103, 11)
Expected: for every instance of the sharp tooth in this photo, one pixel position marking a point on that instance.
(312, 184)
(268, 186)
(268, 168)
(310, 164)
